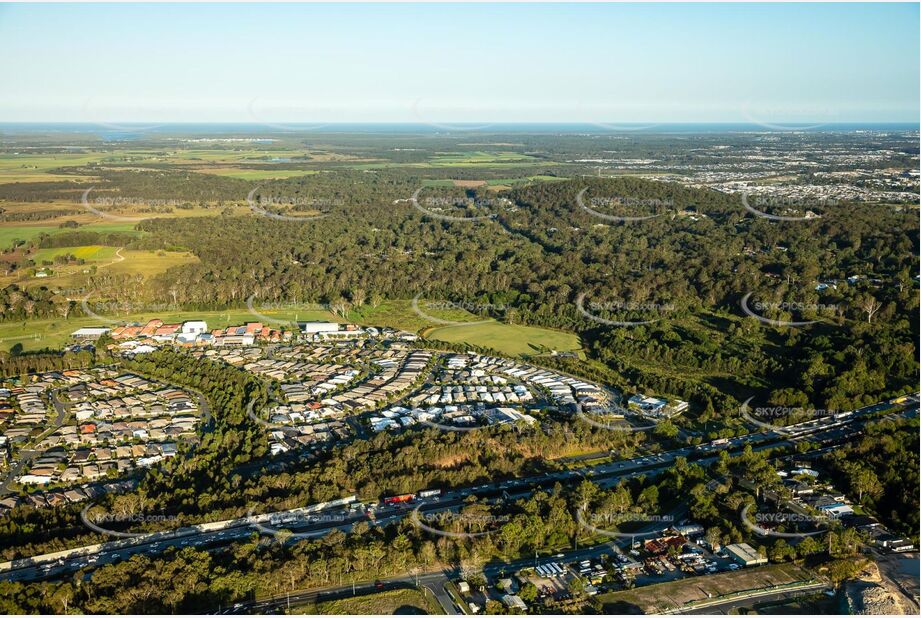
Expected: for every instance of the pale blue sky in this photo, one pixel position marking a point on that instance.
(460, 63)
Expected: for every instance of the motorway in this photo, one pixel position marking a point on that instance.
(819, 433)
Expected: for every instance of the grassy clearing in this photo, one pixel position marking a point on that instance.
(253, 174)
(146, 263)
(510, 339)
(90, 253)
(660, 597)
(35, 167)
(11, 233)
(479, 157)
(400, 314)
(437, 183)
(382, 603)
(149, 263)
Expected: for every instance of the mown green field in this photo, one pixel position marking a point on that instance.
(399, 314)
(9, 233)
(90, 253)
(510, 339)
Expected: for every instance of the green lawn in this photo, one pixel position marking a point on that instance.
(510, 339)
(9, 233)
(87, 252)
(23, 232)
(399, 314)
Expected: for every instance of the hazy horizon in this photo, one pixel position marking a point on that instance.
(774, 64)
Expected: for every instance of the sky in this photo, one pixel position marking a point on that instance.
(602, 63)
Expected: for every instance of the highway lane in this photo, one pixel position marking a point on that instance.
(607, 474)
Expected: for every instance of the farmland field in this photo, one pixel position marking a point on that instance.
(37, 167)
(481, 159)
(89, 253)
(255, 174)
(10, 233)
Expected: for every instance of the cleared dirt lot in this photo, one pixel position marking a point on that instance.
(661, 597)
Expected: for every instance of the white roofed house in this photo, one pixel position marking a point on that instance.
(90, 333)
(312, 328)
(194, 327)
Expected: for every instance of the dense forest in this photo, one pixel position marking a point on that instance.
(682, 275)
(881, 470)
(541, 252)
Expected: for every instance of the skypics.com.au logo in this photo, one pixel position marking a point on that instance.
(620, 203)
(758, 308)
(466, 525)
(621, 306)
(646, 524)
(473, 307)
(94, 521)
(766, 524)
(274, 207)
(794, 208)
(473, 208)
(761, 416)
(155, 206)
